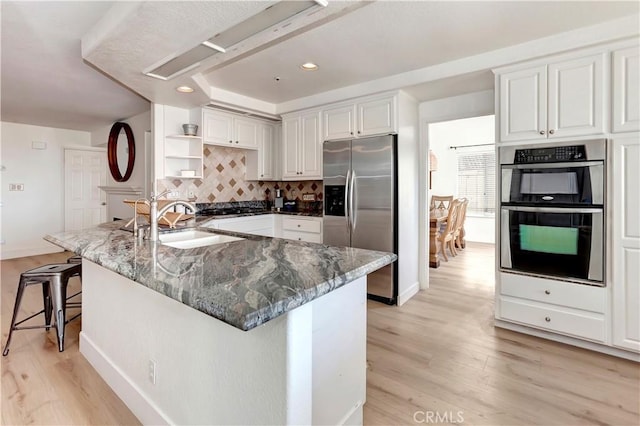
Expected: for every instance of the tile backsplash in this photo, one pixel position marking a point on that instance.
(224, 173)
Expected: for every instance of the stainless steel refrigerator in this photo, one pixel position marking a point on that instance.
(360, 203)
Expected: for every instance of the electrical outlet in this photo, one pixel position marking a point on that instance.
(192, 194)
(152, 371)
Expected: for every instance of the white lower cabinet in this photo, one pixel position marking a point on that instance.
(300, 228)
(307, 229)
(625, 241)
(571, 309)
(256, 225)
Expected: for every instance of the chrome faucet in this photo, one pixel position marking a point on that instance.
(136, 227)
(155, 214)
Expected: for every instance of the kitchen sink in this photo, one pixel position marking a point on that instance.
(193, 239)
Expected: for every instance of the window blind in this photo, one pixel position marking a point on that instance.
(477, 180)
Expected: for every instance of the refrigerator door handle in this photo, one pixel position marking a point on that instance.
(352, 196)
(347, 198)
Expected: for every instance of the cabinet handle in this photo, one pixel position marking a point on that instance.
(547, 292)
(351, 133)
(299, 239)
(542, 132)
(551, 131)
(547, 319)
(298, 225)
(230, 141)
(261, 175)
(236, 141)
(358, 131)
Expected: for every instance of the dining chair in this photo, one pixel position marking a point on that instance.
(459, 229)
(440, 202)
(447, 236)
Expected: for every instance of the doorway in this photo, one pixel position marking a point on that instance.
(460, 162)
(85, 170)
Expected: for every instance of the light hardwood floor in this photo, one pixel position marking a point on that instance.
(436, 357)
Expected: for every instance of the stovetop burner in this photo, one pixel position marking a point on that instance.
(229, 211)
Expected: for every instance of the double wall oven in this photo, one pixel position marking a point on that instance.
(552, 207)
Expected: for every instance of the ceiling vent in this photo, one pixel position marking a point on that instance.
(175, 65)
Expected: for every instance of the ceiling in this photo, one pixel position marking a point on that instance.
(46, 82)
(44, 79)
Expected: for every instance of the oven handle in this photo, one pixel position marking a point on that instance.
(553, 165)
(552, 209)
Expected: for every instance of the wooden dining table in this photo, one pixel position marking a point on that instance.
(437, 220)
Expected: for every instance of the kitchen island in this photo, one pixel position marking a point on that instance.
(257, 331)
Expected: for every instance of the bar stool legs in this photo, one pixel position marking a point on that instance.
(54, 280)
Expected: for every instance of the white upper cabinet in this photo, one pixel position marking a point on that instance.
(564, 98)
(246, 133)
(229, 130)
(375, 116)
(523, 104)
(217, 128)
(301, 147)
(339, 123)
(576, 101)
(625, 241)
(262, 163)
(626, 90)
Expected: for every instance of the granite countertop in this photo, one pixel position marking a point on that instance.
(243, 283)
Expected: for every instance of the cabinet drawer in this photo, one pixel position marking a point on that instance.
(302, 236)
(580, 324)
(565, 294)
(303, 225)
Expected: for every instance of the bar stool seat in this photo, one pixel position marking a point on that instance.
(54, 279)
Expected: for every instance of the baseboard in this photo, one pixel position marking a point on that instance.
(6, 254)
(408, 293)
(620, 353)
(143, 408)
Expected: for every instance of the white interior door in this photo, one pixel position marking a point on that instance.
(85, 203)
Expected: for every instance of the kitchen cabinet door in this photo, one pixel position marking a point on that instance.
(523, 104)
(261, 162)
(217, 128)
(625, 253)
(626, 90)
(310, 147)
(576, 99)
(339, 123)
(267, 148)
(290, 147)
(376, 117)
(245, 133)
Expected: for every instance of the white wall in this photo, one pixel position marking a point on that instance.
(408, 190)
(38, 210)
(140, 124)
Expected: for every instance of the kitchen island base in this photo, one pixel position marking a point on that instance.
(172, 364)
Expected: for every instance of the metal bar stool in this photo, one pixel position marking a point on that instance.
(54, 279)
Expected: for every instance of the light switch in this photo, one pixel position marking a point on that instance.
(38, 145)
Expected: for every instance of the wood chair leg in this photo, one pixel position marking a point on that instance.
(443, 249)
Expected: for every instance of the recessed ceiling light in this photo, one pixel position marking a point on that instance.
(184, 89)
(309, 66)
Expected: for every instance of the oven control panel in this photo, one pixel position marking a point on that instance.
(550, 154)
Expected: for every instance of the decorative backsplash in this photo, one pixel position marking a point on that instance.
(224, 172)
